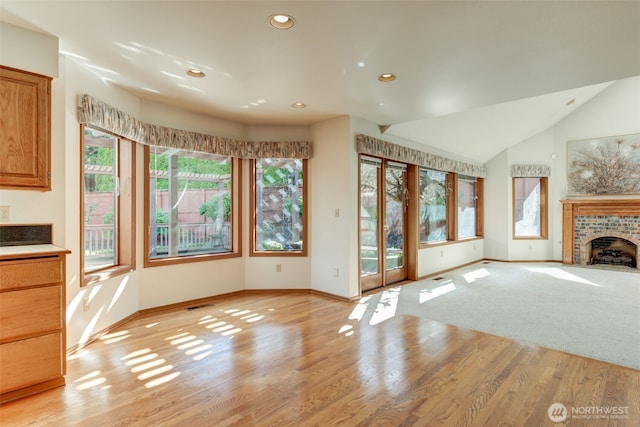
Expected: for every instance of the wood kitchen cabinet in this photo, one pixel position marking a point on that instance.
(25, 130)
(32, 320)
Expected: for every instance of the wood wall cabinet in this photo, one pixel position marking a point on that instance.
(32, 320)
(25, 130)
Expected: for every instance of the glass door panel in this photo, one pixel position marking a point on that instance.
(383, 211)
(370, 265)
(395, 226)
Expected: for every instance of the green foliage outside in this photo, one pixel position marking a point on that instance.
(107, 218)
(288, 205)
(101, 156)
(271, 245)
(162, 217)
(209, 209)
(190, 165)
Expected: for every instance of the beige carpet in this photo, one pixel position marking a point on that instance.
(589, 312)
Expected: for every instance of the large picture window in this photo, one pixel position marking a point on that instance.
(529, 208)
(278, 207)
(191, 205)
(434, 195)
(469, 206)
(107, 205)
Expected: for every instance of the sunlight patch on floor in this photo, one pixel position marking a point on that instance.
(136, 353)
(561, 274)
(387, 306)
(91, 380)
(199, 353)
(476, 274)
(230, 332)
(158, 371)
(141, 359)
(78, 354)
(358, 311)
(429, 294)
(115, 337)
(162, 380)
(148, 365)
(347, 330)
(240, 313)
(190, 344)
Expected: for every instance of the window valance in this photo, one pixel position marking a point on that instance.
(102, 115)
(377, 147)
(530, 171)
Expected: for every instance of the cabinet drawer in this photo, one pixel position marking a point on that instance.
(31, 361)
(30, 311)
(15, 274)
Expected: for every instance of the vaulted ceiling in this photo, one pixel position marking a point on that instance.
(472, 77)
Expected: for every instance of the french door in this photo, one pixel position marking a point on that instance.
(383, 222)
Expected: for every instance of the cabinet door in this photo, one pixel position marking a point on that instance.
(25, 131)
(30, 312)
(32, 361)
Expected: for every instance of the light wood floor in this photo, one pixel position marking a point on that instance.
(299, 360)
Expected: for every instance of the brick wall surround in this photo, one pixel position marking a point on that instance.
(585, 220)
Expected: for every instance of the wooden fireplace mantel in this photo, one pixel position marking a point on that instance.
(600, 207)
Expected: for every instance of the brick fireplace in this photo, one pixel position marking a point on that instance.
(601, 231)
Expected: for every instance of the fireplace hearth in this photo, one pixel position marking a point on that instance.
(613, 251)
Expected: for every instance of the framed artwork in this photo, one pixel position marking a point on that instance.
(604, 166)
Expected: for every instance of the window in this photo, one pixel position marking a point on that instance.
(107, 205)
(191, 208)
(469, 198)
(529, 208)
(277, 206)
(435, 191)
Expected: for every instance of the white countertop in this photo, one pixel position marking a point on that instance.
(30, 250)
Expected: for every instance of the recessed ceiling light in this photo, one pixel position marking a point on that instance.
(194, 72)
(299, 105)
(281, 21)
(387, 77)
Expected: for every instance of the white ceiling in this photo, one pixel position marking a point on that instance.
(473, 77)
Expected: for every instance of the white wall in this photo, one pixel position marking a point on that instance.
(444, 257)
(177, 118)
(28, 50)
(331, 189)
(497, 207)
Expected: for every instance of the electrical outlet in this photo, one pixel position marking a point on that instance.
(278, 268)
(85, 304)
(5, 214)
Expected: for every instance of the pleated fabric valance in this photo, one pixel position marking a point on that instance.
(377, 147)
(530, 171)
(102, 115)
